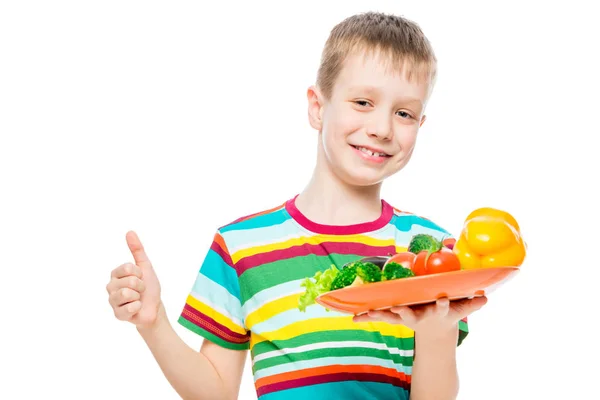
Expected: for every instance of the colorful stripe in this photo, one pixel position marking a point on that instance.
(330, 346)
(347, 352)
(246, 294)
(258, 214)
(327, 361)
(206, 333)
(260, 221)
(217, 270)
(299, 248)
(333, 373)
(216, 328)
(350, 335)
(347, 388)
(302, 327)
(256, 280)
(219, 247)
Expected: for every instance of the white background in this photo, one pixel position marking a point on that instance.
(174, 118)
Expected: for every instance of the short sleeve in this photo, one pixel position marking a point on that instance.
(213, 307)
(463, 330)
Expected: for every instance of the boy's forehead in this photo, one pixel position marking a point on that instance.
(374, 73)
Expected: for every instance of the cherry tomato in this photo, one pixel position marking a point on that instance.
(406, 259)
(444, 260)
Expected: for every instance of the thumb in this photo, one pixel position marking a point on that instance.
(137, 250)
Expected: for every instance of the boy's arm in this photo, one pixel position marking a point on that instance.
(213, 373)
(434, 374)
(437, 329)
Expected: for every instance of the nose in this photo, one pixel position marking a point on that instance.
(381, 128)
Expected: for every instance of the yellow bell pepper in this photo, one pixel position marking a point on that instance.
(490, 238)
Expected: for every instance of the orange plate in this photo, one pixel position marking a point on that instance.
(416, 290)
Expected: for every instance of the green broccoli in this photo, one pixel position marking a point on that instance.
(356, 273)
(368, 272)
(345, 277)
(423, 242)
(396, 271)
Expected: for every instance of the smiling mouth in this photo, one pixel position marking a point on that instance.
(370, 152)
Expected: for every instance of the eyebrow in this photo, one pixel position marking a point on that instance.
(369, 89)
(375, 89)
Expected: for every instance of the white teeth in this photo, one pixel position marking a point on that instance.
(371, 153)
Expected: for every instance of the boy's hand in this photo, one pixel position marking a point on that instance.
(429, 319)
(134, 290)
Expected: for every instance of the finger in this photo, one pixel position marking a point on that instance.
(442, 306)
(362, 318)
(458, 306)
(385, 316)
(137, 250)
(126, 270)
(405, 313)
(466, 307)
(131, 282)
(422, 308)
(126, 312)
(478, 302)
(123, 296)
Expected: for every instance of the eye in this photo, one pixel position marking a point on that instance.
(362, 103)
(404, 114)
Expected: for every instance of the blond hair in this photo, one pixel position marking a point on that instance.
(400, 41)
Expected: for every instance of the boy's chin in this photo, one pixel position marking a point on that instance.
(362, 180)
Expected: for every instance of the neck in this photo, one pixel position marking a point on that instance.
(329, 200)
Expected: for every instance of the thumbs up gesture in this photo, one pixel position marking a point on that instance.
(133, 289)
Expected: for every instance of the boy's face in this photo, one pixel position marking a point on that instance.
(369, 126)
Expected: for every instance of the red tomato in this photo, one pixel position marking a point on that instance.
(444, 260)
(406, 259)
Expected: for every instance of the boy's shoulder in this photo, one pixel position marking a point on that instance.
(402, 219)
(266, 216)
(407, 221)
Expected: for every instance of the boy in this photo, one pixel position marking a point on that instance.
(374, 81)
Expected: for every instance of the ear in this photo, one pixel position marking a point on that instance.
(423, 118)
(315, 107)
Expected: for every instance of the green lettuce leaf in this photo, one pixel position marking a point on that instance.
(319, 284)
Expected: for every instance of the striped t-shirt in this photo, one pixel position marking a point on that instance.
(246, 297)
